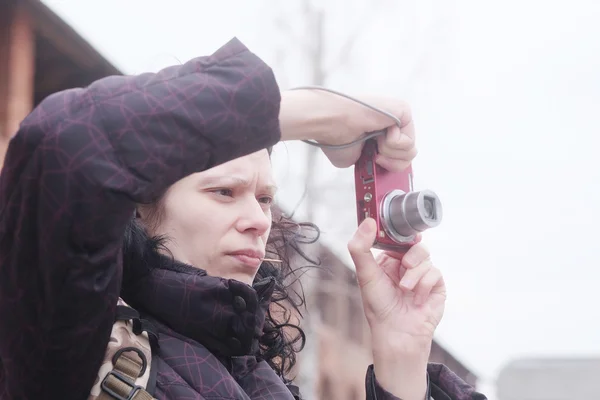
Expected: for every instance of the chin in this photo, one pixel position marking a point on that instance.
(241, 269)
(241, 277)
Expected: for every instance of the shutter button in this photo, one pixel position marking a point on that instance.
(239, 304)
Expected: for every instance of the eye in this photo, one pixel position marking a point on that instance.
(223, 192)
(266, 200)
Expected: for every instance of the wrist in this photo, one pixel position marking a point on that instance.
(405, 378)
(405, 345)
(308, 115)
(400, 366)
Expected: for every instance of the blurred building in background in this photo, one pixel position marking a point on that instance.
(560, 378)
(40, 55)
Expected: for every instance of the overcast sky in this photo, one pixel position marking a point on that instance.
(506, 98)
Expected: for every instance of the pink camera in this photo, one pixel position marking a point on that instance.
(388, 198)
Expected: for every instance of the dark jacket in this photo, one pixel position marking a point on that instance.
(72, 176)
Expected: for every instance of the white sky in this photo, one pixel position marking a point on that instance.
(504, 95)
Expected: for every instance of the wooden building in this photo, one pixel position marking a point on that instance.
(39, 54)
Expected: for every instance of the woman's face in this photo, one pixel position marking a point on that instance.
(219, 219)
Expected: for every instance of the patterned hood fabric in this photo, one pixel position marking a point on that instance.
(73, 174)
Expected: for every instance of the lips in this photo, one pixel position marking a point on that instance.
(251, 258)
(249, 253)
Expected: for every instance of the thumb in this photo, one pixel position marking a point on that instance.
(367, 270)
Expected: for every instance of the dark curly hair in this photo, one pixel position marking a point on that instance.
(282, 336)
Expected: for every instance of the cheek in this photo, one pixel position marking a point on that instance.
(200, 220)
(265, 236)
(190, 216)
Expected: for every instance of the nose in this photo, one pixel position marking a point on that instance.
(254, 219)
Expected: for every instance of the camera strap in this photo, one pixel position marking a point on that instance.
(368, 136)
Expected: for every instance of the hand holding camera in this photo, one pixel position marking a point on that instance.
(396, 148)
(403, 293)
(338, 123)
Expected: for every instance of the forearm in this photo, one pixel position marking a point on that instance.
(307, 115)
(401, 371)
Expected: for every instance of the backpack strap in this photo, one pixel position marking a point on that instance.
(129, 368)
(151, 386)
(129, 363)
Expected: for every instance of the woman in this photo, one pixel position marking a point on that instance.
(175, 162)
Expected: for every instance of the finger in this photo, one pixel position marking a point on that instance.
(399, 108)
(392, 165)
(408, 127)
(391, 266)
(400, 155)
(413, 276)
(395, 139)
(431, 279)
(398, 255)
(396, 150)
(367, 271)
(416, 255)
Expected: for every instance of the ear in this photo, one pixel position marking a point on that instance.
(149, 216)
(138, 212)
(143, 211)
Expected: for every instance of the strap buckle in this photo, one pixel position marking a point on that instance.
(105, 386)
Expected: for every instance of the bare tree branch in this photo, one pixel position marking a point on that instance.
(343, 56)
(313, 45)
(284, 28)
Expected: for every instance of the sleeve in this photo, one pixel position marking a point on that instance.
(442, 384)
(72, 176)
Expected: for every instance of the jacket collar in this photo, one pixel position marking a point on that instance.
(224, 315)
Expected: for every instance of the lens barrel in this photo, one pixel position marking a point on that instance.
(406, 214)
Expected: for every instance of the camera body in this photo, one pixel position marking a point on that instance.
(388, 197)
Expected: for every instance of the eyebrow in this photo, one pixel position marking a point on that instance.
(234, 180)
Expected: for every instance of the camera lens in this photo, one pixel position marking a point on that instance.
(429, 207)
(406, 214)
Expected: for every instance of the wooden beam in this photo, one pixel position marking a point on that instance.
(6, 17)
(66, 40)
(17, 71)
